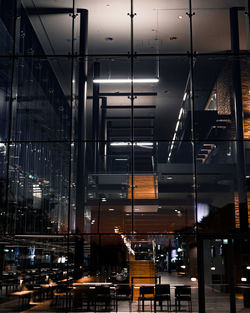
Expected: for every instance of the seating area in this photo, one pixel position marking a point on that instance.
(75, 296)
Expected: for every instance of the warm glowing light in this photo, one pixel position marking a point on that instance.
(193, 279)
(125, 80)
(212, 268)
(243, 279)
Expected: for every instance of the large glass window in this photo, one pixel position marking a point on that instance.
(124, 155)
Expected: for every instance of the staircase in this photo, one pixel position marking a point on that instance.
(141, 268)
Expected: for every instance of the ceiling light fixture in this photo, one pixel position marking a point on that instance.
(124, 80)
(123, 144)
(176, 130)
(121, 159)
(180, 17)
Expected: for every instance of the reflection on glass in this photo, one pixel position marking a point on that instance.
(161, 27)
(163, 110)
(216, 274)
(37, 33)
(7, 26)
(38, 188)
(211, 25)
(42, 108)
(111, 35)
(5, 96)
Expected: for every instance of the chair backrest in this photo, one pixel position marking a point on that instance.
(102, 290)
(62, 288)
(146, 290)
(183, 291)
(161, 289)
(123, 290)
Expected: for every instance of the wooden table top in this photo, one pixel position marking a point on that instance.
(21, 293)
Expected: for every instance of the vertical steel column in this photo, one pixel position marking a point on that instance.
(104, 132)
(132, 98)
(81, 177)
(231, 276)
(95, 117)
(81, 123)
(238, 111)
(200, 262)
(10, 217)
(201, 280)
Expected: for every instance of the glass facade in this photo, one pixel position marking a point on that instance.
(124, 155)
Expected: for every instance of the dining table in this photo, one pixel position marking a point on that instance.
(24, 297)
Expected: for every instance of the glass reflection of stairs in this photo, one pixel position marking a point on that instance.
(141, 272)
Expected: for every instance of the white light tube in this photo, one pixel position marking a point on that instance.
(177, 126)
(124, 80)
(122, 144)
(180, 114)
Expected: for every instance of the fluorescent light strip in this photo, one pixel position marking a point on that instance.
(177, 126)
(121, 159)
(124, 80)
(180, 114)
(122, 144)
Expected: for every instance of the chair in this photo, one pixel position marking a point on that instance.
(37, 292)
(146, 293)
(162, 293)
(102, 297)
(123, 293)
(83, 297)
(62, 296)
(183, 294)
